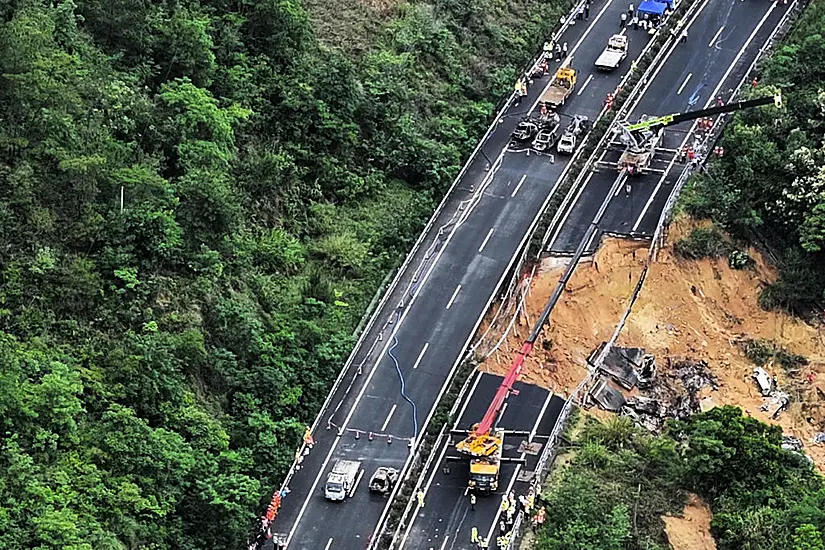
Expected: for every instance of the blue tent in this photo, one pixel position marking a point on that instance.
(652, 7)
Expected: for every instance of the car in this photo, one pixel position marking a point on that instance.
(383, 480)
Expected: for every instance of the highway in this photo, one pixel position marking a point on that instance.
(429, 315)
(724, 38)
(447, 518)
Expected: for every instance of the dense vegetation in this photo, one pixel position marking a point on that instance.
(771, 181)
(159, 360)
(624, 479)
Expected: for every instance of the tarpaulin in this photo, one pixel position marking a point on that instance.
(652, 7)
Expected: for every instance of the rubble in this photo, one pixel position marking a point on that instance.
(791, 443)
(675, 394)
(622, 364)
(606, 396)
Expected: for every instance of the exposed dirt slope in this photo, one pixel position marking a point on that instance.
(692, 530)
(687, 310)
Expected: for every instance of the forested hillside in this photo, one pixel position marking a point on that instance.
(770, 185)
(197, 201)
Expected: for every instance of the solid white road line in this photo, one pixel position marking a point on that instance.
(664, 60)
(682, 87)
(524, 177)
(436, 464)
(329, 543)
(357, 481)
(493, 527)
(388, 343)
(586, 82)
(569, 209)
(387, 421)
(715, 36)
(593, 24)
(421, 355)
(487, 238)
(452, 299)
(444, 544)
(709, 101)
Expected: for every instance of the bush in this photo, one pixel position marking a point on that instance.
(703, 242)
(761, 352)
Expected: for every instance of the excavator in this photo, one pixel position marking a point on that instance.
(641, 138)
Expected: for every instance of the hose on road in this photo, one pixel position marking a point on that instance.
(403, 385)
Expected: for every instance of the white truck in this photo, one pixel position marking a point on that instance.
(341, 481)
(613, 54)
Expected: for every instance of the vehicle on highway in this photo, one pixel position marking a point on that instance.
(484, 470)
(383, 480)
(562, 86)
(613, 54)
(342, 479)
(642, 138)
(526, 129)
(578, 126)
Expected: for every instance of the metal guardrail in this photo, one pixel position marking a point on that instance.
(664, 219)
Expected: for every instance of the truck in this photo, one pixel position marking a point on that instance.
(560, 88)
(341, 481)
(484, 470)
(613, 54)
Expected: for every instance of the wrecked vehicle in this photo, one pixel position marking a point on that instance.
(383, 480)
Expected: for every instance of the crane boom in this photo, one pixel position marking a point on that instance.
(676, 118)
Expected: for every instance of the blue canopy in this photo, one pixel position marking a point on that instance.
(652, 7)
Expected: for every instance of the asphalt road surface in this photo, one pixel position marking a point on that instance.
(436, 306)
(447, 518)
(723, 40)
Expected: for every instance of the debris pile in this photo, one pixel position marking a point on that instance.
(677, 393)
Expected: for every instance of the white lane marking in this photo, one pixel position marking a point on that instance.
(452, 299)
(664, 60)
(586, 82)
(709, 101)
(682, 87)
(388, 343)
(421, 355)
(569, 209)
(487, 238)
(493, 527)
(590, 28)
(541, 415)
(444, 544)
(715, 36)
(329, 543)
(524, 177)
(357, 481)
(436, 464)
(387, 421)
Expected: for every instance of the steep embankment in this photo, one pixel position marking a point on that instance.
(697, 310)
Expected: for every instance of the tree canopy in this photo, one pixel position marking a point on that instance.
(198, 199)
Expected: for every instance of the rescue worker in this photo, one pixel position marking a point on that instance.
(547, 49)
(483, 543)
(635, 23)
(580, 13)
(719, 151)
(630, 9)
(504, 503)
(564, 49)
(517, 89)
(474, 535)
(683, 38)
(420, 497)
(587, 10)
(754, 82)
(472, 501)
(719, 101)
(543, 114)
(558, 52)
(622, 20)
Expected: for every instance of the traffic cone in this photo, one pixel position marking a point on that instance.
(389, 439)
